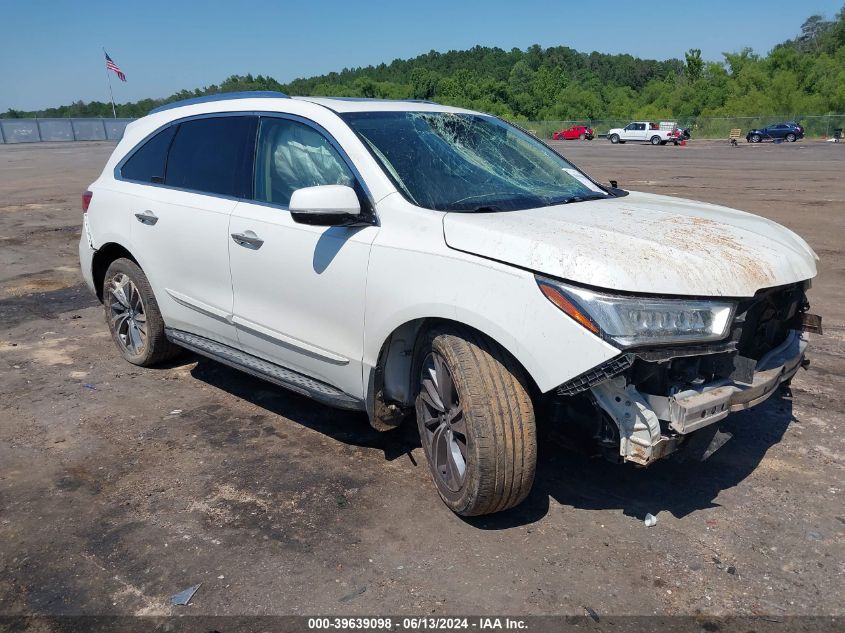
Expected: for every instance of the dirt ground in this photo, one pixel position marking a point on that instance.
(121, 486)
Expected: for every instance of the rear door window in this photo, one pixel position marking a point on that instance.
(147, 164)
(213, 155)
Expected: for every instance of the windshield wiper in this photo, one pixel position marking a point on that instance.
(569, 199)
(485, 209)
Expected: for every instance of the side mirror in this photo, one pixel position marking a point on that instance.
(326, 205)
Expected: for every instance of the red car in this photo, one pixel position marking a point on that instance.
(576, 131)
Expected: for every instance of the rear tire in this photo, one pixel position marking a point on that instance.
(476, 422)
(655, 140)
(133, 317)
(614, 138)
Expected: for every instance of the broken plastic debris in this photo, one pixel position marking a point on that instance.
(176, 412)
(650, 520)
(184, 596)
(89, 386)
(591, 612)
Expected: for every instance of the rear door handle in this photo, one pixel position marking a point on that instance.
(147, 217)
(248, 239)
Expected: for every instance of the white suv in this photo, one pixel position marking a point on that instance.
(410, 258)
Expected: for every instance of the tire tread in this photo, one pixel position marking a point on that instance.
(497, 402)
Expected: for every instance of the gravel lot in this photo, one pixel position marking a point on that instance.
(120, 486)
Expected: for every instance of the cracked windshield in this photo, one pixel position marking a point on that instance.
(466, 162)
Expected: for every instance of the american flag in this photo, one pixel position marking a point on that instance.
(112, 66)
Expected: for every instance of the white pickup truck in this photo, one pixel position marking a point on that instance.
(644, 131)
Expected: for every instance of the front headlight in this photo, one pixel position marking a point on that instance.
(630, 321)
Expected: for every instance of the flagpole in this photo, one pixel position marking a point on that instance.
(111, 94)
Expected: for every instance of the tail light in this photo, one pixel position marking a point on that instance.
(86, 200)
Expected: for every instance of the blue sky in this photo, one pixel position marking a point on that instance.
(50, 50)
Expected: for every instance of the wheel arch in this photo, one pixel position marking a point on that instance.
(103, 258)
(391, 389)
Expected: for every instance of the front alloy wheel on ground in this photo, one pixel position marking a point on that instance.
(614, 138)
(443, 425)
(476, 422)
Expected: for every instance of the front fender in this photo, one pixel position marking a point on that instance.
(500, 301)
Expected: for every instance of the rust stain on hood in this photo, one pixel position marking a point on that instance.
(641, 243)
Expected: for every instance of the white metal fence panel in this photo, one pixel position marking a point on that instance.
(20, 130)
(59, 130)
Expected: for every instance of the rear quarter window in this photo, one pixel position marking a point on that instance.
(148, 162)
(213, 155)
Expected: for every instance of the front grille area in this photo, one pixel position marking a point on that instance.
(763, 322)
(760, 324)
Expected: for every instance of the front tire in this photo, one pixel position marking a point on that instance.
(791, 138)
(133, 317)
(476, 422)
(756, 138)
(581, 137)
(614, 138)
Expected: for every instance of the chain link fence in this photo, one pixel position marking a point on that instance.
(44, 130)
(78, 129)
(815, 125)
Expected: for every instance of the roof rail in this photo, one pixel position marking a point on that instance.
(366, 99)
(221, 96)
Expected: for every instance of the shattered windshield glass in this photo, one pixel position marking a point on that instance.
(468, 162)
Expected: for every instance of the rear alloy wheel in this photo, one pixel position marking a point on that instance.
(755, 138)
(476, 422)
(791, 138)
(655, 140)
(133, 316)
(614, 138)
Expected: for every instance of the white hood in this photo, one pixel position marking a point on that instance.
(640, 243)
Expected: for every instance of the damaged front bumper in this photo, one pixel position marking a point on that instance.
(652, 426)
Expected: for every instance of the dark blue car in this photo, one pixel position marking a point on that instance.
(790, 132)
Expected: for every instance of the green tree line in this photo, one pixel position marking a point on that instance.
(802, 75)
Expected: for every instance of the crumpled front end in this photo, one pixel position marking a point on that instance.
(647, 403)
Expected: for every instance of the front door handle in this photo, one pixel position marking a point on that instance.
(248, 239)
(147, 217)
